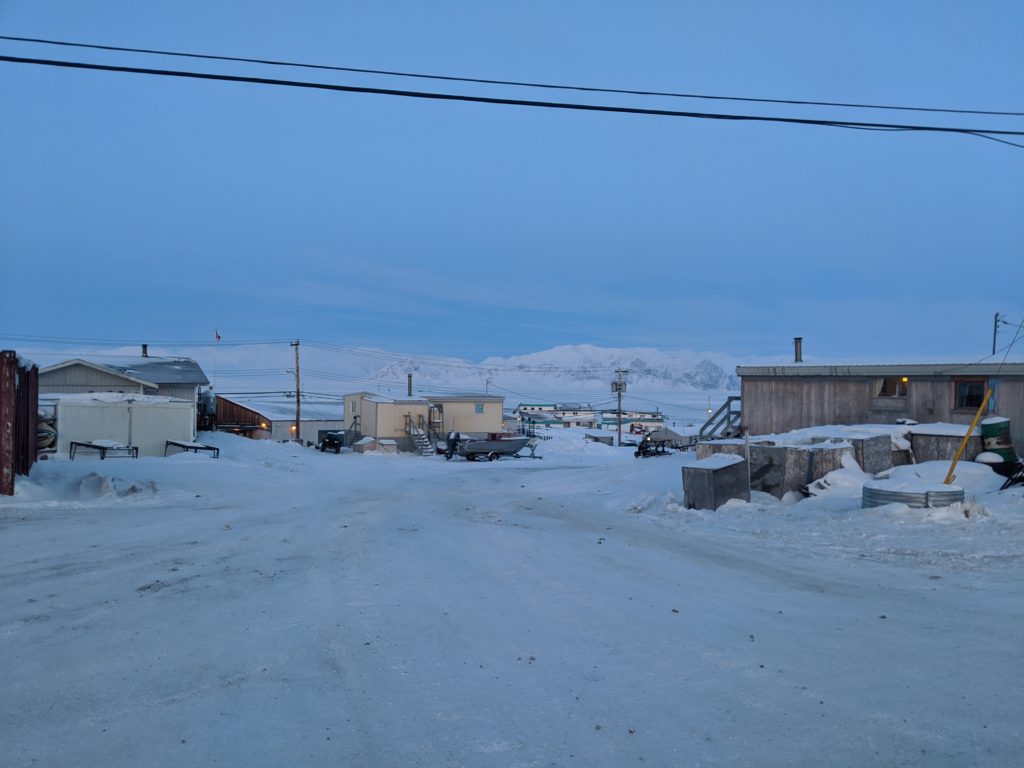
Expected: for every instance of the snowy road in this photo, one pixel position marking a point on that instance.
(284, 607)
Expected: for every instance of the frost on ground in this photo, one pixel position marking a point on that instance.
(279, 606)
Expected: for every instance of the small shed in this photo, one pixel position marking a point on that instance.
(709, 483)
(144, 421)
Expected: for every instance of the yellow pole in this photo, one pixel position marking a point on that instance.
(950, 477)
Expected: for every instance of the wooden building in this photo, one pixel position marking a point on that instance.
(274, 418)
(778, 399)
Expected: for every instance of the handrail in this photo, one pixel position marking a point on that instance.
(724, 420)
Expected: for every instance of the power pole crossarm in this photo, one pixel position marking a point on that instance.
(619, 386)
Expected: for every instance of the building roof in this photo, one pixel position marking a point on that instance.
(466, 396)
(148, 371)
(884, 369)
(283, 409)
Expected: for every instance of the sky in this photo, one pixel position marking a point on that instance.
(138, 207)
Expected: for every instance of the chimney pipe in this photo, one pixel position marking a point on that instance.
(798, 349)
(145, 350)
(410, 384)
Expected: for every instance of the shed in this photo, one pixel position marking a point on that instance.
(144, 421)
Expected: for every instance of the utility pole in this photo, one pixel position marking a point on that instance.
(995, 329)
(298, 406)
(618, 387)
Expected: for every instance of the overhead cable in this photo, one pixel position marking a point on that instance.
(487, 81)
(989, 133)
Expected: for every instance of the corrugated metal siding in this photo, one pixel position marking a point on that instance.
(145, 425)
(310, 429)
(83, 423)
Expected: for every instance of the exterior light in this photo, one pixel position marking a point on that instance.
(263, 425)
(905, 379)
(293, 427)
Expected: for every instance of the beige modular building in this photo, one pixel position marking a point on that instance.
(417, 424)
(368, 414)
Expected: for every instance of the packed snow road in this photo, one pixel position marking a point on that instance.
(284, 607)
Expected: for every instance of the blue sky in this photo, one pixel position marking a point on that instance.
(137, 207)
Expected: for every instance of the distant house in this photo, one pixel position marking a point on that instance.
(274, 418)
(633, 420)
(558, 414)
(417, 423)
(778, 399)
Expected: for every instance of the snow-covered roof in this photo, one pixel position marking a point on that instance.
(717, 461)
(885, 369)
(386, 399)
(111, 397)
(283, 409)
(465, 396)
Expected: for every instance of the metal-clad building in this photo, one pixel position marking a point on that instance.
(144, 421)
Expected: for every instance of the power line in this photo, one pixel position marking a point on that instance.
(981, 132)
(515, 83)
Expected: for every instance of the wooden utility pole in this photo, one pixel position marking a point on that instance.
(995, 329)
(618, 387)
(298, 401)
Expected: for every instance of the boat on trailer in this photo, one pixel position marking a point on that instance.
(493, 446)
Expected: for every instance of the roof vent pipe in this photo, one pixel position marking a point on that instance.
(145, 350)
(798, 349)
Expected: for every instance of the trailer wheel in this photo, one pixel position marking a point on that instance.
(492, 456)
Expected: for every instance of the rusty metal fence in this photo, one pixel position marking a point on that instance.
(19, 410)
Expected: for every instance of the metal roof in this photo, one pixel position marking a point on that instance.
(145, 370)
(885, 369)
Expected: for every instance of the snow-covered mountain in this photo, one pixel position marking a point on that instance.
(572, 369)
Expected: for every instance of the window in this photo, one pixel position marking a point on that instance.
(894, 386)
(968, 393)
(478, 408)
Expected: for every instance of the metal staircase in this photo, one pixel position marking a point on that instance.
(725, 422)
(422, 442)
(419, 437)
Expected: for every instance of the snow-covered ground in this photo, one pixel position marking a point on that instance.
(279, 606)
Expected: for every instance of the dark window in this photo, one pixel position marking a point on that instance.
(969, 393)
(895, 386)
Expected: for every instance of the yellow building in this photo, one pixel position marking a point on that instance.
(417, 424)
